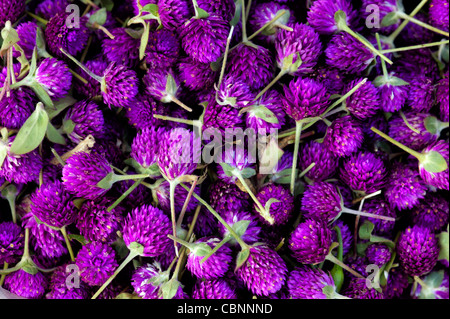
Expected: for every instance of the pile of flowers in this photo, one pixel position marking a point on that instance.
(221, 149)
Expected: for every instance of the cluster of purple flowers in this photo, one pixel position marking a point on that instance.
(117, 173)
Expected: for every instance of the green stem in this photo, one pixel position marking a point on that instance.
(279, 15)
(85, 69)
(186, 203)
(195, 5)
(394, 34)
(336, 272)
(12, 205)
(216, 248)
(66, 239)
(284, 27)
(336, 261)
(332, 112)
(119, 178)
(173, 184)
(79, 77)
(359, 213)
(420, 282)
(224, 62)
(415, 47)
(244, 22)
(129, 258)
(124, 195)
(275, 80)
(345, 96)
(182, 242)
(2, 278)
(36, 17)
(179, 103)
(306, 170)
(402, 115)
(383, 64)
(176, 119)
(404, 16)
(298, 132)
(247, 11)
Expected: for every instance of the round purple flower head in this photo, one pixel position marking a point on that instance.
(304, 43)
(305, 98)
(213, 289)
(442, 97)
(52, 204)
(119, 86)
(432, 212)
(163, 195)
(205, 39)
(48, 8)
(305, 282)
(27, 285)
(149, 227)
(397, 282)
(264, 272)
(251, 64)
(404, 187)
(417, 139)
(326, 162)
(344, 136)
(347, 54)
(438, 14)
(123, 49)
(226, 198)
(365, 102)
(379, 206)
(252, 233)
(321, 201)
(11, 242)
(174, 13)
(58, 285)
(47, 242)
(280, 211)
(219, 118)
(87, 119)
(393, 97)
(378, 254)
(96, 223)
(16, 108)
(421, 92)
(215, 266)
(195, 75)
(273, 119)
(96, 262)
(54, 76)
(358, 289)
(321, 15)
(11, 10)
(140, 281)
(162, 50)
(27, 35)
(92, 88)
(346, 235)
(438, 180)
(363, 171)
(414, 34)
(58, 34)
(178, 153)
(83, 171)
(235, 93)
(236, 157)
(417, 250)
(144, 148)
(310, 242)
(332, 78)
(436, 286)
(223, 8)
(162, 84)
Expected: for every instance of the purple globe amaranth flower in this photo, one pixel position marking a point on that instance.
(178, 153)
(195, 75)
(213, 289)
(384, 8)
(226, 198)
(48, 8)
(281, 210)
(26, 285)
(421, 92)
(378, 254)
(52, 204)
(11, 242)
(222, 8)
(11, 10)
(310, 241)
(149, 227)
(59, 34)
(162, 84)
(141, 281)
(325, 161)
(346, 236)
(432, 212)
(393, 96)
(58, 288)
(54, 76)
(17, 107)
(358, 289)
(436, 286)
(404, 187)
(379, 206)
(305, 98)
(237, 158)
(264, 272)
(215, 266)
(347, 54)
(258, 119)
(397, 282)
(27, 38)
(96, 223)
(163, 49)
(414, 34)
(420, 60)
(220, 118)
(305, 282)
(442, 97)
(438, 14)
(82, 173)
(302, 43)
(332, 78)
(417, 250)
(87, 119)
(344, 136)
(174, 13)
(251, 64)
(119, 86)
(235, 93)
(321, 201)
(365, 102)
(92, 88)
(251, 234)
(163, 195)
(204, 39)
(145, 145)
(123, 49)
(96, 262)
(363, 171)
(47, 242)
(416, 139)
(321, 15)
(20, 169)
(440, 179)
(358, 263)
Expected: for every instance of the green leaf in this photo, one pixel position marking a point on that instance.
(160, 278)
(10, 37)
(201, 14)
(107, 182)
(390, 19)
(144, 40)
(171, 85)
(3, 153)
(152, 171)
(152, 8)
(379, 81)
(201, 249)
(78, 202)
(329, 291)
(169, 289)
(108, 4)
(135, 34)
(444, 245)
(54, 136)
(270, 157)
(78, 238)
(290, 65)
(120, 247)
(29, 267)
(248, 172)
(9, 191)
(269, 203)
(431, 124)
(227, 169)
(284, 177)
(433, 283)
(42, 223)
(434, 162)
(231, 101)
(216, 66)
(366, 229)
(341, 19)
(237, 15)
(31, 133)
(68, 126)
(137, 248)
(264, 114)
(240, 227)
(41, 94)
(242, 257)
(98, 17)
(395, 81)
(59, 106)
